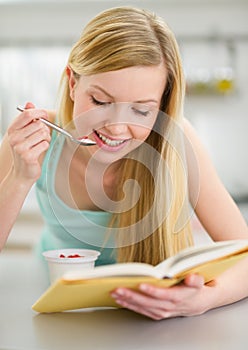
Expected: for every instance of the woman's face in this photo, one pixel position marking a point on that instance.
(117, 109)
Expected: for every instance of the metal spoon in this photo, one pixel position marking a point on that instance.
(84, 141)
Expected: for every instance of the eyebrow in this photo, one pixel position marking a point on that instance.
(109, 95)
(104, 91)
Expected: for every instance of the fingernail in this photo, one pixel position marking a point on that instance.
(114, 295)
(144, 287)
(121, 302)
(119, 292)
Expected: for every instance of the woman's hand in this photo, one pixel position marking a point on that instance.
(186, 299)
(28, 138)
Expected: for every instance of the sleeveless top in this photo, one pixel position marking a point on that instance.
(66, 227)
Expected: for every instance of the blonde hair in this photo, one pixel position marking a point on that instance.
(124, 37)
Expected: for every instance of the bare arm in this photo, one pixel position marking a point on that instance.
(213, 205)
(21, 154)
(220, 216)
(222, 219)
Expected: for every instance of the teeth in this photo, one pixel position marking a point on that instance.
(112, 143)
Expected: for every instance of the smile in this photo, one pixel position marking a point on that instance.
(109, 142)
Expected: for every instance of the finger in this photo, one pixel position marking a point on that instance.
(153, 314)
(37, 127)
(31, 156)
(30, 135)
(194, 281)
(32, 140)
(146, 305)
(26, 117)
(140, 299)
(155, 292)
(34, 127)
(173, 294)
(29, 105)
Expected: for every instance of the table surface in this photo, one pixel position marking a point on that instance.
(23, 279)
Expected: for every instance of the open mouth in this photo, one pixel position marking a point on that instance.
(107, 141)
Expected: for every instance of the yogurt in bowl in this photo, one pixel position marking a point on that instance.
(61, 261)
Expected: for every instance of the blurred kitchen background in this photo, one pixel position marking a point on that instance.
(35, 39)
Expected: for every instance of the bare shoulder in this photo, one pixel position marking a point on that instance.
(190, 132)
(194, 145)
(198, 159)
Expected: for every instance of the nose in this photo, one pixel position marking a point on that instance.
(117, 122)
(117, 128)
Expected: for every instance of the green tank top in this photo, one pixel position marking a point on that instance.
(65, 227)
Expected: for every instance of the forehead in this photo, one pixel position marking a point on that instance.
(130, 84)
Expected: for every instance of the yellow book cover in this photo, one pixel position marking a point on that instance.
(91, 287)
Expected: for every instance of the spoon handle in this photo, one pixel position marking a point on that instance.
(55, 127)
(52, 125)
(84, 141)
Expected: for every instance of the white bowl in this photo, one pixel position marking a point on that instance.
(59, 265)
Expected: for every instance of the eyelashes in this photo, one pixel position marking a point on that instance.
(99, 103)
(140, 112)
(137, 111)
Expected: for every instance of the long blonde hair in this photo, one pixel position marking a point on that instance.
(124, 37)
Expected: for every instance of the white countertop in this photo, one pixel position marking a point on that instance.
(23, 279)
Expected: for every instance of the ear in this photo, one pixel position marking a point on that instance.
(71, 81)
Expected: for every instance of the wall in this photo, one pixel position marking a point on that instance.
(221, 121)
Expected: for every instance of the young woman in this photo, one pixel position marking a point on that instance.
(131, 192)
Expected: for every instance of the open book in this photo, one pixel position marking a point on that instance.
(91, 287)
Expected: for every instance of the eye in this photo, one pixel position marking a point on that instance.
(97, 102)
(142, 112)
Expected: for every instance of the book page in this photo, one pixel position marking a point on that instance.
(194, 256)
(170, 267)
(122, 269)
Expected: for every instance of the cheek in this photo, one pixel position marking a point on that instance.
(141, 133)
(81, 111)
(82, 119)
(142, 130)
(81, 105)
